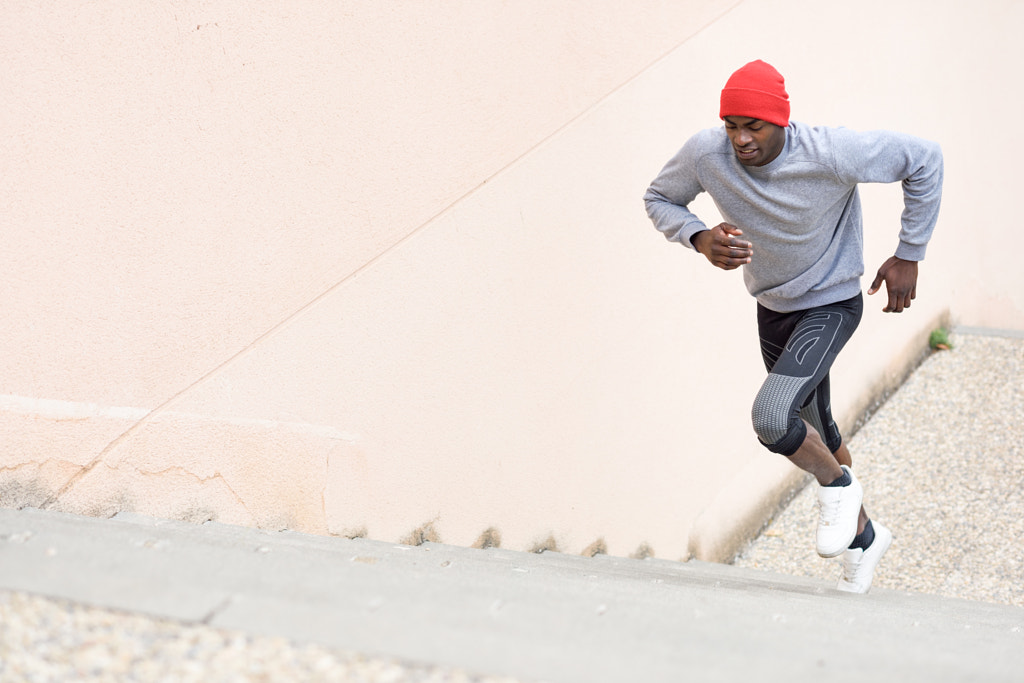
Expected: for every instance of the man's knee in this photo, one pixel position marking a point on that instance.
(777, 425)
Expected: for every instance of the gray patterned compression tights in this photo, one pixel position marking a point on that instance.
(798, 349)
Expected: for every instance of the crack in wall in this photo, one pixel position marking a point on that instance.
(26, 486)
(62, 411)
(36, 464)
(216, 476)
(123, 502)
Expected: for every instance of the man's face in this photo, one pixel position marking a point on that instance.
(755, 142)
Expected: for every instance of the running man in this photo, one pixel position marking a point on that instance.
(793, 222)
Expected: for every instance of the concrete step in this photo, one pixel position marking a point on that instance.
(548, 616)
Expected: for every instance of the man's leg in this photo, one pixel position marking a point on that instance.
(793, 346)
(814, 456)
(817, 413)
(868, 546)
(842, 456)
(791, 413)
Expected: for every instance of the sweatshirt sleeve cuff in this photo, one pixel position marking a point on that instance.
(693, 230)
(911, 252)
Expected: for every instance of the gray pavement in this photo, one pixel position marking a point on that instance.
(528, 616)
(133, 598)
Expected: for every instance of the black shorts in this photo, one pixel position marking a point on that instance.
(798, 349)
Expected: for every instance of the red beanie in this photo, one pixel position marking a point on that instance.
(758, 91)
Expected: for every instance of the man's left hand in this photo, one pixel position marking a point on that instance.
(900, 279)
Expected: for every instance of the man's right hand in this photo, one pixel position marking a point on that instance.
(721, 246)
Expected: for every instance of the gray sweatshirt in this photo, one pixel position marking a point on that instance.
(802, 210)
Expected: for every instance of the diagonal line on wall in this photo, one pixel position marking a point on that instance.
(339, 284)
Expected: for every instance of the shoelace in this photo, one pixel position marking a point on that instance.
(851, 570)
(828, 512)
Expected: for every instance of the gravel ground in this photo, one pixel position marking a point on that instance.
(942, 463)
(55, 641)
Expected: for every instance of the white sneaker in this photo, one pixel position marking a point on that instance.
(839, 509)
(859, 565)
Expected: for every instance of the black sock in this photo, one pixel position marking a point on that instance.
(844, 480)
(864, 539)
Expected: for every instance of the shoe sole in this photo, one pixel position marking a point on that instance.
(830, 554)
